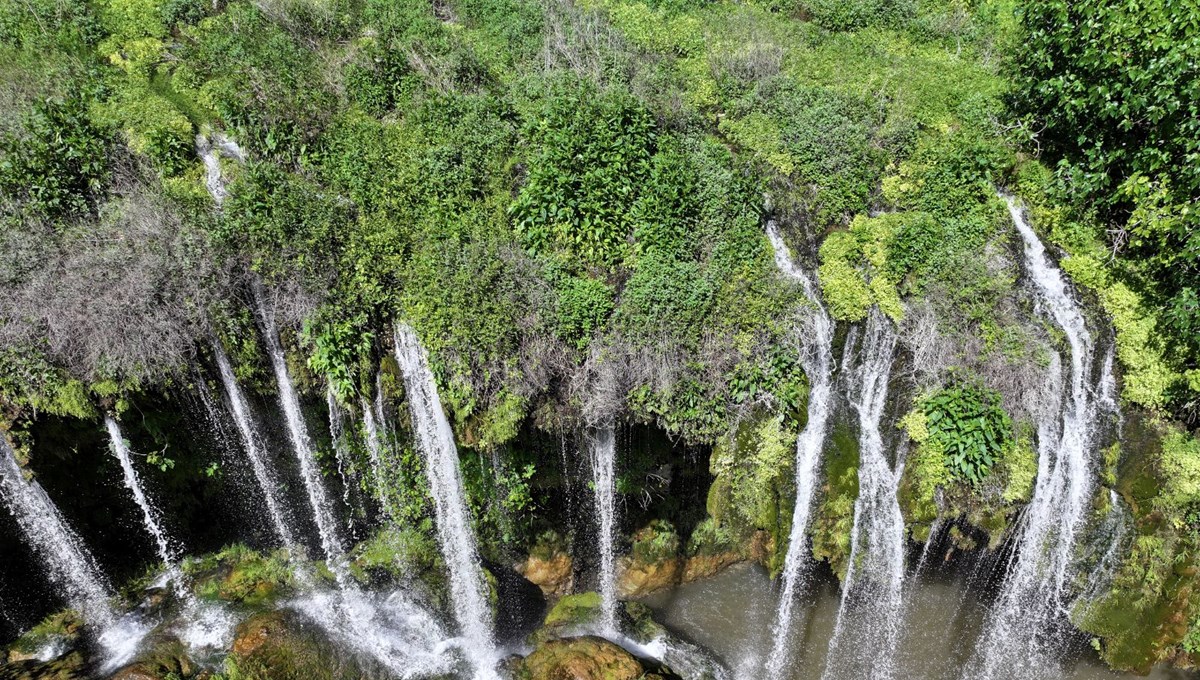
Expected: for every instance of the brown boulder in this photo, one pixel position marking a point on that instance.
(642, 578)
(704, 566)
(581, 658)
(552, 574)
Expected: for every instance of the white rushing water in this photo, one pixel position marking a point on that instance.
(211, 149)
(868, 622)
(337, 433)
(310, 473)
(150, 517)
(602, 451)
(252, 442)
(67, 561)
(1021, 636)
(817, 360)
(435, 440)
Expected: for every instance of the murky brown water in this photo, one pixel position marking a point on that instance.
(732, 614)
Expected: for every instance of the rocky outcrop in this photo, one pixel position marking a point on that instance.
(69, 667)
(553, 573)
(638, 579)
(581, 658)
(280, 645)
(166, 660)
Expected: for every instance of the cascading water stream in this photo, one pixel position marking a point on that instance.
(817, 360)
(310, 473)
(603, 453)
(392, 629)
(264, 471)
(337, 433)
(68, 563)
(150, 519)
(435, 440)
(868, 622)
(1020, 636)
(211, 149)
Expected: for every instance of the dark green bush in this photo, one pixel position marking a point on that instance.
(970, 427)
(591, 153)
(584, 304)
(59, 165)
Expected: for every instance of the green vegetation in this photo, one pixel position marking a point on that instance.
(566, 202)
(970, 429)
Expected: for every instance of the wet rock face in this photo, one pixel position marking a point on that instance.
(551, 573)
(642, 578)
(281, 645)
(69, 667)
(581, 658)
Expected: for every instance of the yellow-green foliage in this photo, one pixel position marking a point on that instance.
(853, 269)
(755, 471)
(131, 19)
(656, 29)
(760, 133)
(1180, 472)
(925, 470)
(1018, 466)
(1139, 347)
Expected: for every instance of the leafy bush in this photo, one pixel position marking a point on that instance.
(971, 429)
(592, 151)
(584, 304)
(665, 296)
(1115, 92)
(59, 165)
(849, 15)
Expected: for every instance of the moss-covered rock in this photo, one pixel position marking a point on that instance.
(167, 659)
(69, 667)
(654, 562)
(241, 575)
(549, 565)
(281, 645)
(581, 658)
(833, 518)
(53, 637)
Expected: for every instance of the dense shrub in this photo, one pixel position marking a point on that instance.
(59, 163)
(970, 428)
(1114, 91)
(592, 150)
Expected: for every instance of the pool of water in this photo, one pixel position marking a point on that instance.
(732, 613)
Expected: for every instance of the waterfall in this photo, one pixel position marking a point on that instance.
(260, 463)
(603, 450)
(68, 563)
(374, 420)
(310, 472)
(868, 622)
(120, 449)
(435, 440)
(817, 360)
(210, 150)
(337, 433)
(1020, 636)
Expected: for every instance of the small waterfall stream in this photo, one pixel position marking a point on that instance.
(68, 563)
(435, 440)
(260, 463)
(603, 454)
(868, 622)
(120, 449)
(1021, 635)
(314, 485)
(817, 360)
